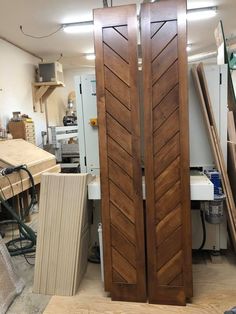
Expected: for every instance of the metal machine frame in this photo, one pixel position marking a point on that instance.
(200, 153)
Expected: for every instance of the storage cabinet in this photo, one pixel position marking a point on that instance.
(22, 129)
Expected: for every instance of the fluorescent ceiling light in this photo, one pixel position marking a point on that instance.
(78, 28)
(201, 13)
(189, 47)
(90, 56)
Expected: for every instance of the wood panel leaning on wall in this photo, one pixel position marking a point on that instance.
(168, 234)
(119, 142)
(169, 264)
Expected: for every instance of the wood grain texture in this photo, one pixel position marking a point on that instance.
(119, 142)
(167, 155)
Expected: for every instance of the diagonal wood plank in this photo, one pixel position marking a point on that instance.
(166, 131)
(117, 110)
(166, 58)
(122, 201)
(123, 30)
(116, 131)
(169, 248)
(122, 266)
(178, 281)
(120, 178)
(116, 64)
(167, 178)
(166, 107)
(119, 220)
(168, 224)
(117, 277)
(155, 27)
(160, 88)
(117, 42)
(171, 269)
(168, 201)
(166, 155)
(117, 87)
(123, 246)
(162, 37)
(120, 156)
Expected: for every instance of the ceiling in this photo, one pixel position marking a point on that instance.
(43, 17)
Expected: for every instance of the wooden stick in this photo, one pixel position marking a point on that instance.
(203, 94)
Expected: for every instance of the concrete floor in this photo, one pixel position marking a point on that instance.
(214, 292)
(27, 302)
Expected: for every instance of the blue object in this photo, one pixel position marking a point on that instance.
(214, 177)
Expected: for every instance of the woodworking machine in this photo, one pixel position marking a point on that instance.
(201, 157)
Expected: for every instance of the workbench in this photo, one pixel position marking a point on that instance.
(19, 152)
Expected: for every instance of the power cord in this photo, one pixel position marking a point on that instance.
(203, 230)
(26, 234)
(40, 37)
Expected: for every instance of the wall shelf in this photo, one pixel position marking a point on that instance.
(41, 92)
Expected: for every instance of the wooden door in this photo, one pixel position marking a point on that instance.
(115, 32)
(163, 37)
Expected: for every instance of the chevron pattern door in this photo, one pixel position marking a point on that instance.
(163, 34)
(119, 143)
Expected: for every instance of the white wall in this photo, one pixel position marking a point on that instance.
(16, 76)
(17, 70)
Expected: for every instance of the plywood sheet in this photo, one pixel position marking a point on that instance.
(62, 243)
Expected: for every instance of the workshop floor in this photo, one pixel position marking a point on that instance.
(27, 302)
(214, 291)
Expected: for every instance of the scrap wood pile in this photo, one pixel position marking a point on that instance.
(228, 179)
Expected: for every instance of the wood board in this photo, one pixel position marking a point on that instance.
(232, 153)
(205, 103)
(19, 152)
(62, 241)
(169, 261)
(223, 58)
(115, 35)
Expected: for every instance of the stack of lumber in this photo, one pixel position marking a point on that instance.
(63, 235)
(201, 86)
(19, 152)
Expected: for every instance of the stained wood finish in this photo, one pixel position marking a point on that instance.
(119, 142)
(163, 34)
